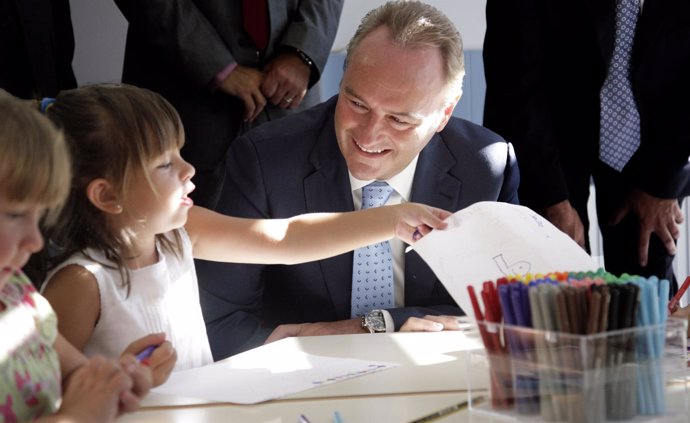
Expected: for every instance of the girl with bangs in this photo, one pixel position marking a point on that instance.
(43, 377)
(124, 248)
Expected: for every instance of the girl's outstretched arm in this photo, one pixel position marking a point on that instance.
(306, 237)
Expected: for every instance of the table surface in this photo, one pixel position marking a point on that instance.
(433, 374)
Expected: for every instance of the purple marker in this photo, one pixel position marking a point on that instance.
(146, 353)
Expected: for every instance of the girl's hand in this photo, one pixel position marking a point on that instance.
(161, 361)
(142, 380)
(415, 220)
(94, 391)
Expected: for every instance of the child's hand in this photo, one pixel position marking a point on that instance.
(683, 313)
(416, 220)
(142, 380)
(161, 361)
(93, 392)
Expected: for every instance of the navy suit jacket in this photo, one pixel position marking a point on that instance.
(293, 166)
(545, 63)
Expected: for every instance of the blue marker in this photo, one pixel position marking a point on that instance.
(146, 353)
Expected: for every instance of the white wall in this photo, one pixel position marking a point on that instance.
(467, 15)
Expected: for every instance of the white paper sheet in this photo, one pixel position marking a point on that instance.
(262, 375)
(489, 240)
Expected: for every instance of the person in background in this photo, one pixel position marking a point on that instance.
(389, 131)
(36, 47)
(227, 66)
(591, 90)
(124, 244)
(42, 377)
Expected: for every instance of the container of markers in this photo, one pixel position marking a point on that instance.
(542, 375)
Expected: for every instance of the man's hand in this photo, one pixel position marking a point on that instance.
(431, 324)
(245, 84)
(413, 324)
(655, 215)
(316, 329)
(563, 216)
(287, 78)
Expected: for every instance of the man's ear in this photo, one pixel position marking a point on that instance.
(101, 194)
(448, 112)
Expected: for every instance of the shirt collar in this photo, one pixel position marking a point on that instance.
(401, 182)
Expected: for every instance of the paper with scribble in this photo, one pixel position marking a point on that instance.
(489, 240)
(263, 374)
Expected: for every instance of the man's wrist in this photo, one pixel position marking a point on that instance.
(378, 321)
(302, 56)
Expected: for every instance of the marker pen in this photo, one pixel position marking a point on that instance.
(146, 353)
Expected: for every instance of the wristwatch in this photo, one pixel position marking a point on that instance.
(374, 321)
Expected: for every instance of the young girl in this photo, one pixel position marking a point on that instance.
(36, 363)
(129, 232)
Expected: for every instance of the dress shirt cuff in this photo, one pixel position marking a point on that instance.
(220, 76)
(390, 324)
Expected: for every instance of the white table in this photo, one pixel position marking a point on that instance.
(431, 376)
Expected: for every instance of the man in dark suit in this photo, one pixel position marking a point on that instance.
(546, 64)
(392, 121)
(227, 66)
(36, 48)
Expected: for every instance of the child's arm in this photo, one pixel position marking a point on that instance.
(73, 294)
(306, 237)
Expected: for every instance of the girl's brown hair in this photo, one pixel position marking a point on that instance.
(113, 132)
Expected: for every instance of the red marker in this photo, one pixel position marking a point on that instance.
(673, 304)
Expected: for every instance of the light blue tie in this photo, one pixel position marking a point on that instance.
(372, 267)
(619, 131)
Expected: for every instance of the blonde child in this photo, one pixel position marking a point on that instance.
(129, 233)
(37, 365)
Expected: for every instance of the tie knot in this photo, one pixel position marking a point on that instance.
(375, 194)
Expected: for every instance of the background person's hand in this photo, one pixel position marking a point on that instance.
(563, 216)
(245, 83)
(655, 215)
(286, 82)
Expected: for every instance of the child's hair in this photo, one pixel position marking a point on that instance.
(34, 161)
(113, 132)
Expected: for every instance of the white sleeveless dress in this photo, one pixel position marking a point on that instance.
(164, 297)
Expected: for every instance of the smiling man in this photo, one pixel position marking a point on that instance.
(391, 123)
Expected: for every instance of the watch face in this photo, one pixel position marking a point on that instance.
(375, 322)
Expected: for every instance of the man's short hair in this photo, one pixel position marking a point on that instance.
(415, 24)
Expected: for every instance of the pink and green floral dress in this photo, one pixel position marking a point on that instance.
(29, 365)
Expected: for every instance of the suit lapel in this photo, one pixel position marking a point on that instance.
(433, 185)
(327, 189)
